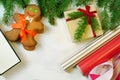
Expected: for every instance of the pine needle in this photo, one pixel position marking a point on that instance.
(75, 15)
(20, 3)
(48, 9)
(105, 18)
(82, 2)
(61, 6)
(95, 24)
(81, 29)
(26, 2)
(115, 14)
(101, 3)
(9, 8)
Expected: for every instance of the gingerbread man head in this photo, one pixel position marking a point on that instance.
(33, 11)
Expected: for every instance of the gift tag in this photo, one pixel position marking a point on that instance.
(8, 56)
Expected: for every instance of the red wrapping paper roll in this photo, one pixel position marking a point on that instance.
(104, 53)
(118, 78)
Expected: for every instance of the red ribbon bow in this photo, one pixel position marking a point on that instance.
(22, 25)
(89, 14)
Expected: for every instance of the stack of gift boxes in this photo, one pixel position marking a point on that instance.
(100, 58)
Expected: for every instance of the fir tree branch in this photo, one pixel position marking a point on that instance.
(61, 6)
(20, 3)
(41, 4)
(82, 24)
(53, 8)
(75, 15)
(3, 2)
(95, 24)
(9, 8)
(26, 2)
(101, 3)
(105, 13)
(111, 5)
(51, 11)
(115, 19)
(82, 2)
(115, 14)
(51, 19)
(48, 8)
(105, 18)
(8, 11)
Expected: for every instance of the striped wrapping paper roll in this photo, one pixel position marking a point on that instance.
(101, 55)
(106, 71)
(116, 68)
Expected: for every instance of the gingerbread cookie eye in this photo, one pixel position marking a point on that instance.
(30, 8)
(35, 10)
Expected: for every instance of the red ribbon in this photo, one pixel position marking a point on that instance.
(21, 24)
(88, 14)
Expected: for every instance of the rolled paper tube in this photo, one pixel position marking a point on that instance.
(76, 58)
(103, 54)
(118, 78)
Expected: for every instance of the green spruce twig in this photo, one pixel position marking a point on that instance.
(82, 24)
(101, 3)
(82, 2)
(48, 9)
(9, 6)
(53, 9)
(105, 20)
(75, 15)
(9, 9)
(95, 24)
(115, 14)
(61, 6)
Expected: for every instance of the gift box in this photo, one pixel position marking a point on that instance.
(83, 23)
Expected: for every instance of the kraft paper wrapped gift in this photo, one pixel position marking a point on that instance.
(73, 24)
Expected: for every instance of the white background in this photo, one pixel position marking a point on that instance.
(44, 63)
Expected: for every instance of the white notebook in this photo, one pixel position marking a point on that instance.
(8, 56)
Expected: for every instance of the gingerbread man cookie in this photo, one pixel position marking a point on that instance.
(26, 27)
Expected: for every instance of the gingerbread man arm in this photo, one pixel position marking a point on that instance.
(16, 17)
